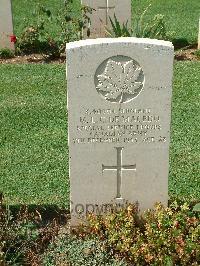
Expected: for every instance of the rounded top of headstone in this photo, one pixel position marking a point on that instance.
(98, 41)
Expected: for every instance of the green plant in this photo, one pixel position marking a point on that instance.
(23, 236)
(7, 235)
(33, 37)
(6, 53)
(162, 236)
(154, 28)
(181, 17)
(118, 30)
(37, 37)
(179, 42)
(197, 208)
(30, 40)
(197, 53)
(71, 250)
(71, 26)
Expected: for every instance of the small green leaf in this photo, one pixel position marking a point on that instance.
(197, 208)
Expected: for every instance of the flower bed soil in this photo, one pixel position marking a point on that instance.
(184, 54)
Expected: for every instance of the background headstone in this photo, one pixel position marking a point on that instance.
(119, 106)
(6, 24)
(103, 9)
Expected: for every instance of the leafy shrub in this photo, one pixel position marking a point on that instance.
(71, 26)
(155, 29)
(36, 37)
(30, 40)
(197, 206)
(152, 29)
(163, 236)
(78, 252)
(197, 53)
(180, 43)
(23, 235)
(6, 53)
(33, 38)
(118, 30)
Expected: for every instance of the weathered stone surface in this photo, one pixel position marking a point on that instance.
(6, 24)
(119, 106)
(103, 9)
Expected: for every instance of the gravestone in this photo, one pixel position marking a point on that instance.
(102, 10)
(6, 24)
(119, 106)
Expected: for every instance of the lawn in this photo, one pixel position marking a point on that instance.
(33, 134)
(181, 16)
(185, 145)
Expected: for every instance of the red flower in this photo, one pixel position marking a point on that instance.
(13, 38)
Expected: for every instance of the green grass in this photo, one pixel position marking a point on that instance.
(33, 134)
(185, 145)
(181, 15)
(23, 11)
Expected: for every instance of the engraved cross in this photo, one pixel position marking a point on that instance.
(119, 168)
(107, 8)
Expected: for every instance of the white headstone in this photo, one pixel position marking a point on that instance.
(119, 106)
(6, 24)
(103, 9)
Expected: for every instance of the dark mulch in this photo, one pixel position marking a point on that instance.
(186, 53)
(32, 59)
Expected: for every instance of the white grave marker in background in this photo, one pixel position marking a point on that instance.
(119, 108)
(103, 9)
(6, 24)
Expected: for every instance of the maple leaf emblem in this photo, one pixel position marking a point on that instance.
(120, 81)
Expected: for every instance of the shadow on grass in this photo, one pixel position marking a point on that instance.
(180, 43)
(27, 230)
(47, 213)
